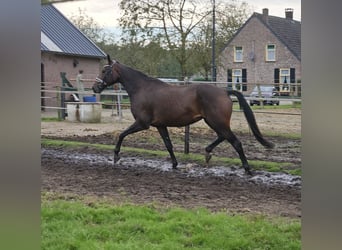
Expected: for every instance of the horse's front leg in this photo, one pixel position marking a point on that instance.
(166, 138)
(135, 127)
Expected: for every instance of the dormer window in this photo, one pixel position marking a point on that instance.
(238, 54)
(270, 52)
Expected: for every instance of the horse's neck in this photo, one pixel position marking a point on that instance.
(134, 80)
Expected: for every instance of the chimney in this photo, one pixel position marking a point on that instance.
(289, 13)
(265, 14)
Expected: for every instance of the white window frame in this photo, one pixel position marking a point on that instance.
(238, 54)
(237, 75)
(270, 52)
(284, 75)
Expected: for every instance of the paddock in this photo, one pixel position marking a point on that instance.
(79, 172)
(140, 178)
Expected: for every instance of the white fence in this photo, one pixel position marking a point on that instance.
(55, 96)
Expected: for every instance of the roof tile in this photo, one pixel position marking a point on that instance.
(288, 32)
(61, 36)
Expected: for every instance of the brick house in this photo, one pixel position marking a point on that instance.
(64, 48)
(265, 50)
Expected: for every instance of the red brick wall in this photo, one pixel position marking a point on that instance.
(254, 37)
(54, 64)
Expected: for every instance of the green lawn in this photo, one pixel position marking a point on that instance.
(91, 223)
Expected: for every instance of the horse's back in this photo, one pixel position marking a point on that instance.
(216, 105)
(214, 95)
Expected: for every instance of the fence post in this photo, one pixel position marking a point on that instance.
(65, 83)
(119, 110)
(63, 112)
(187, 129)
(59, 102)
(260, 96)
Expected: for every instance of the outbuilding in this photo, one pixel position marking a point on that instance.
(64, 49)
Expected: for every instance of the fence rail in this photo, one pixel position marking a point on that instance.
(118, 99)
(115, 99)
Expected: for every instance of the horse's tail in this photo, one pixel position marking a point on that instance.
(250, 118)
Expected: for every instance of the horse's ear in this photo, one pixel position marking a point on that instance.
(109, 60)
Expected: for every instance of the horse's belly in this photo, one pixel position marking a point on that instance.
(177, 121)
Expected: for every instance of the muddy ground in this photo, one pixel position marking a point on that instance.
(65, 171)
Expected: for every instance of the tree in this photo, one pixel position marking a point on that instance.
(183, 27)
(230, 16)
(90, 28)
(170, 22)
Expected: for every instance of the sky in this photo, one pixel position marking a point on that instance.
(106, 12)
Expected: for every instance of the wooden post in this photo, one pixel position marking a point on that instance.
(59, 102)
(63, 106)
(187, 130)
(260, 96)
(119, 102)
(186, 139)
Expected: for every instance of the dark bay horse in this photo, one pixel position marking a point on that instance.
(156, 103)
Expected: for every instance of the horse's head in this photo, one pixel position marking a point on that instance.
(108, 77)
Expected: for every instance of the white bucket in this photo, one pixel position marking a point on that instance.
(89, 112)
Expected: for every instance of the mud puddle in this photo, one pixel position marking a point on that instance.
(189, 170)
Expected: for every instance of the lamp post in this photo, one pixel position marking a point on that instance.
(213, 64)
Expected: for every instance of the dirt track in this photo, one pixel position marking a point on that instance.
(140, 184)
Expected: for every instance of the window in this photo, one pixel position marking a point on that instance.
(284, 76)
(238, 54)
(237, 78)
(270, 52)
(237, 75)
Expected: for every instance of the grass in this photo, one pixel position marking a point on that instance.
(78, 223)
(191, 157)
(51, 119)
(284, 106)
(296, 105)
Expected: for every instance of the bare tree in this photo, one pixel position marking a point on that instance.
(230, 16)
(91, 28)
(171, 22)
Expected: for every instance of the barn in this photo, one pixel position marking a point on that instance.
(64, 48)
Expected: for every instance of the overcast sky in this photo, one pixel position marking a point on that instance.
(106, 12)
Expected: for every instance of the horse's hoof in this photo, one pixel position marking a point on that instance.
(249, 172)
(174, 166)
(116, 158)
(207, 158)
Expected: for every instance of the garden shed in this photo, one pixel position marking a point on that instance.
(64, 48)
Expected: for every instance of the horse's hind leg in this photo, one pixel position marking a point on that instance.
(166, 138)
(235, 142)
(211, 147)
(226, 133)
(135, 127)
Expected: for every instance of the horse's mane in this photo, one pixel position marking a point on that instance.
(131, 70)
(138, 73)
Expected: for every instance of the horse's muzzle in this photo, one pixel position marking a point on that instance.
(96, 89)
